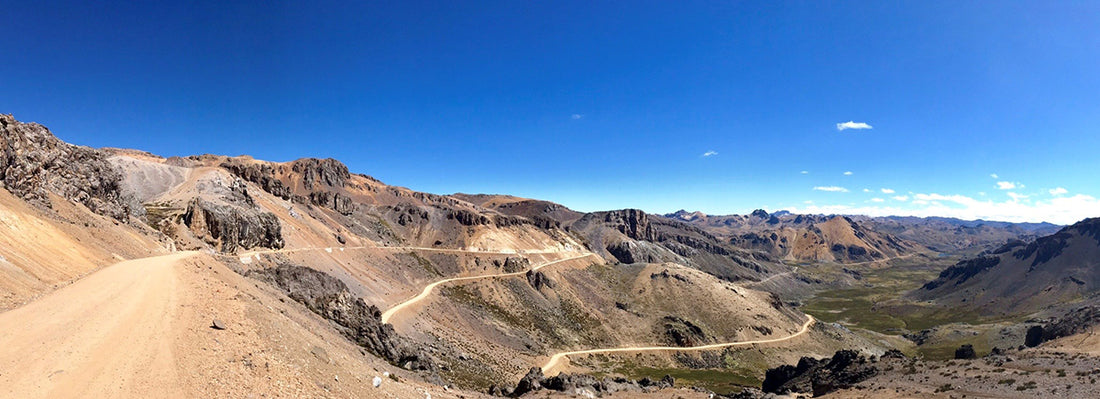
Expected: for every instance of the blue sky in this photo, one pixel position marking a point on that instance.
(599, 106)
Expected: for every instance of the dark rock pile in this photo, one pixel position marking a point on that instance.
(580, 384)
(966, 352)
(818, 377)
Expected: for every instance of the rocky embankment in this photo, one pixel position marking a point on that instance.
(329, 297)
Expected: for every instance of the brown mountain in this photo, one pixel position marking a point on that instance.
(1020, 277)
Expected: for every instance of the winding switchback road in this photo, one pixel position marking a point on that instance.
(388, 314)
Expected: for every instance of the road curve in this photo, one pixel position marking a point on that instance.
(428, 289)
(556, 359)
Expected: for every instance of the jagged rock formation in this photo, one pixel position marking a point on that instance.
(845, 369)
(581, 384)
(330, 298)
(34, 163)
(228, 227)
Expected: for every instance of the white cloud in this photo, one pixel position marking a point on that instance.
(994, 175)
(576, 116)
(866, 190)
(834, 189)
(1058, 191)
(852, 125)
(877, 200)
(710, 153)
(848, 173)
(1061, 210)
(807, 202)
(805, 172)
(887, 191)
(901, 197)
(1016, 197)
(1006, 185)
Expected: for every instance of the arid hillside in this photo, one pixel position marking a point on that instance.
(304, 279)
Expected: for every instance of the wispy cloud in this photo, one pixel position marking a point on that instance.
(576, 116)
(848, 173)
(834, 189)
(1007, 185)
(877, 200)
(1058, 191)
(1016, 196)
(887, 191)
(710, 153)
(866, 190)
(805, 172)
(1062, 209)
(994, 175)
(852, 125)
(901, 198)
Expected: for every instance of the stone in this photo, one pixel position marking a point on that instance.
(218, 325)
(966, 352)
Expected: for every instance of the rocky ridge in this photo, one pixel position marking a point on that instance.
(34, 163)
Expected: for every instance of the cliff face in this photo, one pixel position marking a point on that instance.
(230, 227)
(34, 163)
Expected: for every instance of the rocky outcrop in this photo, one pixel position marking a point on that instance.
(632, 252)
(335, 201)
(966, 352)
(34, 163)
(1034, 336)
(1076, 321)
(538, 280)
(229, 227)
(261, 173)
(582, 384)
(513, 264)
(682, 333)
(818, 377)
(328, 172)
(632, 222)
(329, 297)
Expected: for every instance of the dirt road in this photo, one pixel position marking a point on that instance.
(98, 337)
(556, 360)
(388, 314)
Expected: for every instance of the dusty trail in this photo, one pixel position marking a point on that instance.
(555, 360)
(756, 283)
(106, 335)
(388, 314)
